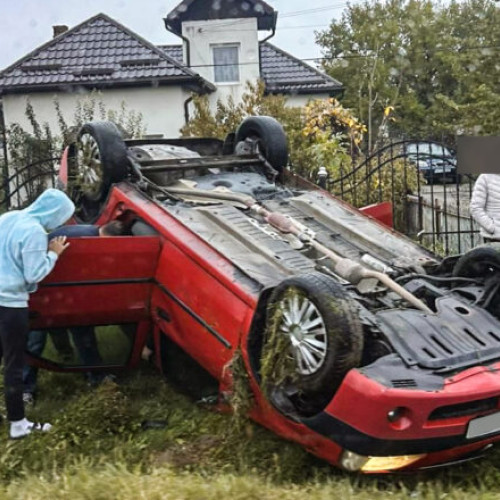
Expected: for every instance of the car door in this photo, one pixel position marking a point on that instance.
(96, 300)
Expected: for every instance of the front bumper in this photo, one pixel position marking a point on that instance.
(358, 417)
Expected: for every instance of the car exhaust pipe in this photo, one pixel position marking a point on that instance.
(347, 269)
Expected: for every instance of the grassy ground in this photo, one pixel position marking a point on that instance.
(100, 449)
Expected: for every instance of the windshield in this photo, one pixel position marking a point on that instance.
(426, 148)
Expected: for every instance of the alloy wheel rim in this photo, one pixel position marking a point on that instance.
(303, 324)
(89, 165)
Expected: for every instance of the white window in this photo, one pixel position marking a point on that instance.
(226, 63)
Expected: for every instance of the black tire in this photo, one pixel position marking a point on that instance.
(342, 340)
(479, 262)
(97, 160)
(271, 138)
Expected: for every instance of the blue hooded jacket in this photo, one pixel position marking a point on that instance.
(24, 259)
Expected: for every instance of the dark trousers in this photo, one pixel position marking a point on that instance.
(14, 326)
(86, 345)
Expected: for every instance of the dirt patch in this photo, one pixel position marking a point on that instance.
(186, 454)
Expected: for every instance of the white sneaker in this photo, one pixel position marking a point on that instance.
(21, 428)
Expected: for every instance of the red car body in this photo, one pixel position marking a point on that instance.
(180, 287)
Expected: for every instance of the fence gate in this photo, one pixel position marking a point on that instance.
(430, 199)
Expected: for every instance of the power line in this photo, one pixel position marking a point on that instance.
(315, 10)
(342, 57)
(312, 59)
(295, 13)
(300, 26)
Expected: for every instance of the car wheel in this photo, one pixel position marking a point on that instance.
(96, 161)
(479, 262)
(270, 138)
(313, 337)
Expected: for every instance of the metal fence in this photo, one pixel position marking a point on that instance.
(430, 199)
(22, 185)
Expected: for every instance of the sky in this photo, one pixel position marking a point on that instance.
(27, 24)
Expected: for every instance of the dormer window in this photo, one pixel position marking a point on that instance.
(226, 63)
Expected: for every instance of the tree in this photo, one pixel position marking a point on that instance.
(332, 135)
(434, 66)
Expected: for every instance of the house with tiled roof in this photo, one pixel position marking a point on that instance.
(100, 54)
(220, 52)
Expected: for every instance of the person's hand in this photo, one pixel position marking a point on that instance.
(58, 245)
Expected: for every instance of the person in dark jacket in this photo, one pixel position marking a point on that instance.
(26, 258)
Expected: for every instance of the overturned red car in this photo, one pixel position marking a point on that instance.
(368, 350)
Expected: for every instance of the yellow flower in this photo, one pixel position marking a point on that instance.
(388, 110)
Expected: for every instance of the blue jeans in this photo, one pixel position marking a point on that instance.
(86, 345)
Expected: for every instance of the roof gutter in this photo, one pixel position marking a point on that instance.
(185, 39)
(273, 32)
(196, 80)
(186, 109)
(275, 20)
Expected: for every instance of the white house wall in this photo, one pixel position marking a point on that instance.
(299, 100)
(203, 35)
(162, 107)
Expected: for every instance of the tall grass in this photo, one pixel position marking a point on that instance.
(102, 448)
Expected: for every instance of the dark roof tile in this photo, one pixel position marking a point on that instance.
(196, 10)
(91, 53)
(284, 73)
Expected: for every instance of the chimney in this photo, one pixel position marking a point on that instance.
(59, 29)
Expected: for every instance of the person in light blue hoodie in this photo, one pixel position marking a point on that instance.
(26, 258)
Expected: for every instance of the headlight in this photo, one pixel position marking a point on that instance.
(353, 462)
